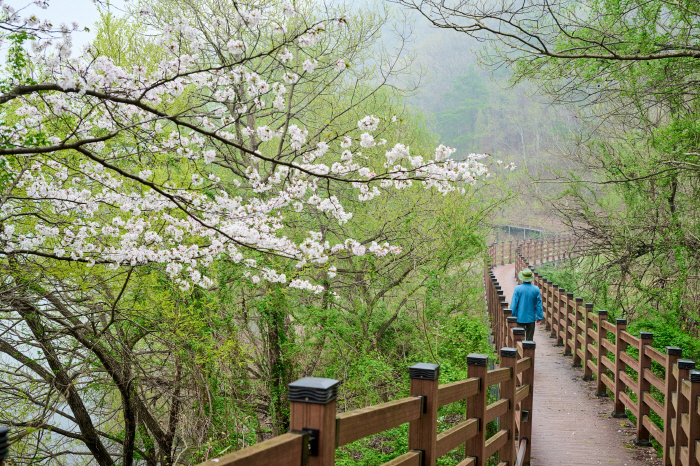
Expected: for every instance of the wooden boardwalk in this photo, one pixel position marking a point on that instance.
(571, 426)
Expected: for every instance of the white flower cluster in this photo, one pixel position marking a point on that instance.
(127, 206)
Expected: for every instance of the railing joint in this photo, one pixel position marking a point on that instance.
(306, 444)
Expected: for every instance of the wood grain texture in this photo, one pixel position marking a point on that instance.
(628, 381)
(630, 361)
(456, 436)
(655, 354)
(412, 458)
(498, 375)
(607, 382)
(655, 405)
(467, 462)
(321, 417)
(523, 365)
(422, 433)
(653, 429)
(654, 379)
(456, 391)
(284, 450)
(608, 363)
(496, 409)
(629, 404)
(476, 408)
(630, 339)
(495, 443)
(608, 326)
(364, 422)
(522, 393)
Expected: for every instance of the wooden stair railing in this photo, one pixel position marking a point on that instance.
(671, 390)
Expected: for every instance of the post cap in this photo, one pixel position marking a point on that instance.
(686, 364)
(512, 320)
(695, 376)
(518, 331)
(569, 295)
(674, 350)
(313, 390)
(498, 287)
(4, 444)
(508, 352)
(620, 321)
(476, 359)
(424, 370)
(529, 344)
(646, 335)
(507, 311)
(578, 300)
(588, 305)
(602, 312)
(555, 285)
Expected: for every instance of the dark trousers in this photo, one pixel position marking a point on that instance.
(529, 330)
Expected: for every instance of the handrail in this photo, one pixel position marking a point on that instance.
(600, 347)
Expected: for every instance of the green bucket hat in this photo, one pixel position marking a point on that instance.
(526, 275)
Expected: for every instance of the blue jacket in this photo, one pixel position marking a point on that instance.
(527, 303)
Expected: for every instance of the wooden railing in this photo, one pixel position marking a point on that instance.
(650, 384)
(317, 429)
(548, 249)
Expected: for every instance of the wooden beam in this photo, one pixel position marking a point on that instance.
(285, 450)
(364, 422)
(456, 391)
(456, 436)
(494, 443)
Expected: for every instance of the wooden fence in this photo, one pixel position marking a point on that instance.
(317, 429)
(660, 389)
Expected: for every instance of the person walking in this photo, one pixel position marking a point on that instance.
(526, 304)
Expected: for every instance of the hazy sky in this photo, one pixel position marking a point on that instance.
(83, 12)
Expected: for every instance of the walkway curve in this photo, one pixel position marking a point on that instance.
(571, 426)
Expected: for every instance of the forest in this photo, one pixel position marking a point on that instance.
(214, 198)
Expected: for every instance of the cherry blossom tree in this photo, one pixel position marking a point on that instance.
(244, 138)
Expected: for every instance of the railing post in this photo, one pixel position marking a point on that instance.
(643, 389)
(526, 414)
(556, 305)
(512, 323)
(550, 306)
(601, 389)
(505, 331)
(578, 336)
(510, 251)
(507, 451)
(422, 433)
(673, 354)
(693, 417)
(4, 444)
(569, 331)
(477, 365)
(620, 347)
(518, 335)
(312, 409)
(588, 342)
(682, 405)
(502, 320)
